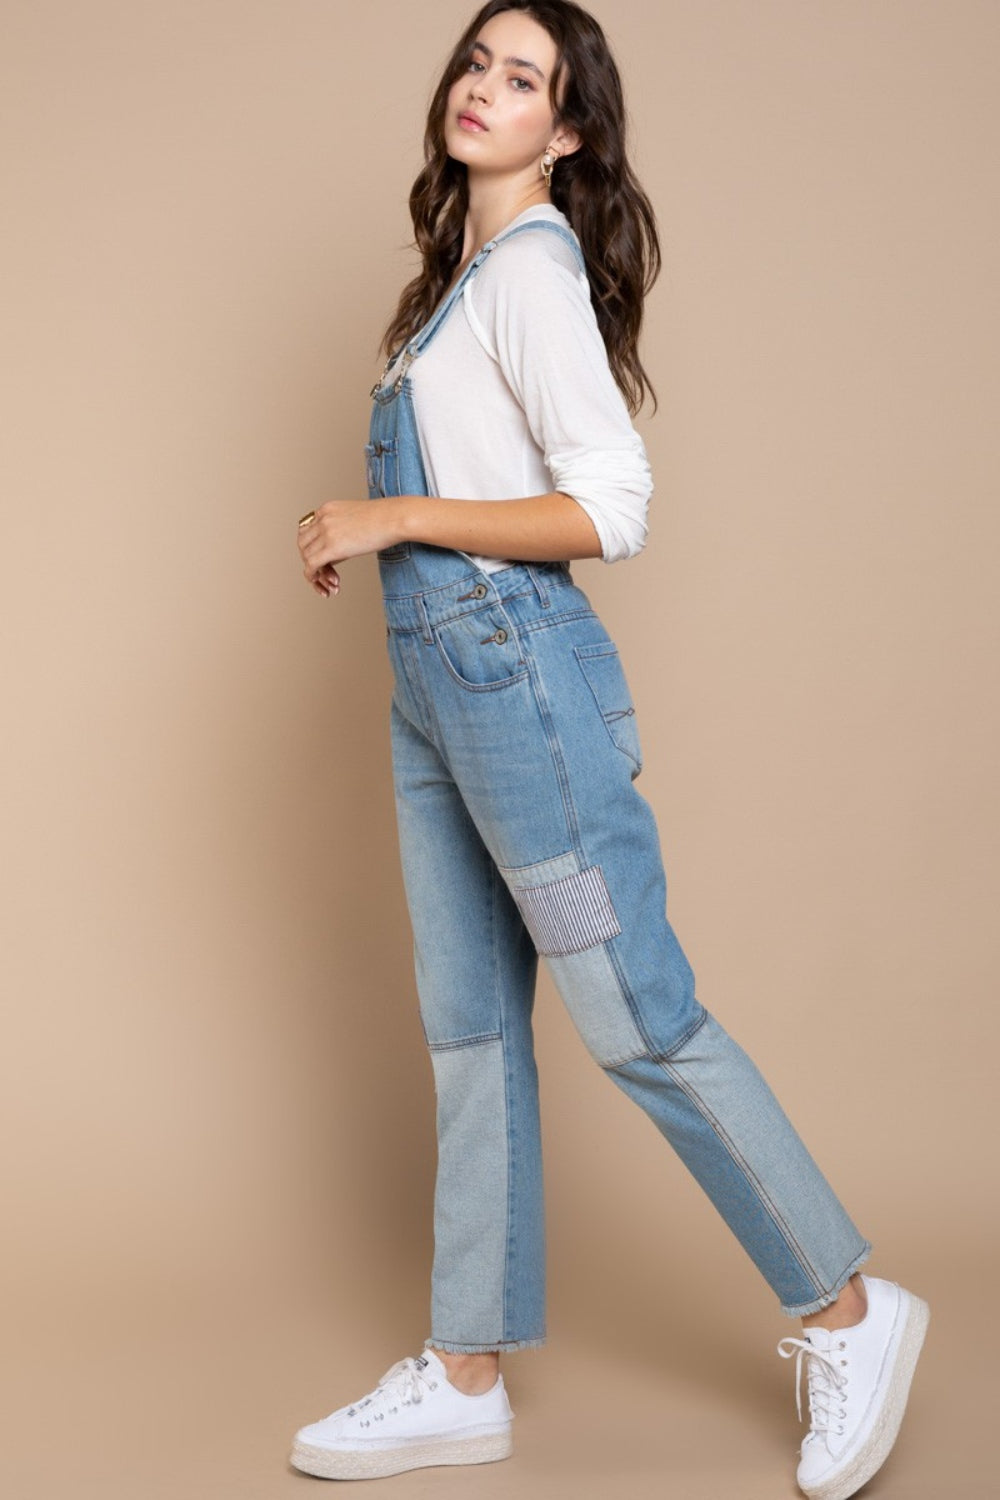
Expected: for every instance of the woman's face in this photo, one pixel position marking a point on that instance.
(499, 117)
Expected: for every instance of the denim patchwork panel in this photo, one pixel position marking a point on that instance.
(568, 915)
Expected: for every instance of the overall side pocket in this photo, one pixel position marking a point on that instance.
(480, 651)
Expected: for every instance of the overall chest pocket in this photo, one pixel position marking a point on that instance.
(606, 678)
(382, 468)
(382, 474)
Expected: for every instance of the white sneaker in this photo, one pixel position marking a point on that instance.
(412, 1419)
(858, 1381)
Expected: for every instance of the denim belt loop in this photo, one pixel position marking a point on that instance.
(427, 632)
(536, 577)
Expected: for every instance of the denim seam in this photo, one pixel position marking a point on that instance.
(460, 614)
(650, 1053)
(573, 829)
(539, 585)
(512, 630)
(547, 624)
(480, 607)
(628, 997)
(767, 1203)
(425, 700)
(804, 1309)
(423, 703)
(609, 1064)
(535, 864)
(479, 1040)
(505, 1051)
(562, 777)
(691, 1031)
(425, 593)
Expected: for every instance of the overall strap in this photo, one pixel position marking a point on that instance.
(420, 341)
(566, 235)
(418, 344)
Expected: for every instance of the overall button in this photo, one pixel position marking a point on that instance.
(480, 591)
(500, 636)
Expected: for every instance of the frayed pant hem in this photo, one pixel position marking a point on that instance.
(817, 1305)
(509, 1347)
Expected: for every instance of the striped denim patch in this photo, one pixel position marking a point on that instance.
(568, 915)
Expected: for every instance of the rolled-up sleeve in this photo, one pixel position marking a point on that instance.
(530, 309)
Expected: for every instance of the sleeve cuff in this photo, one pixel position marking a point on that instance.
(614, 489)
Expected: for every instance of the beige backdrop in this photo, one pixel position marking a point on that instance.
(218, 1132)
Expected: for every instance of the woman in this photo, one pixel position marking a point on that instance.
(501, 446)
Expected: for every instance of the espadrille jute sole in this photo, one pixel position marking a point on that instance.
(378, 1463)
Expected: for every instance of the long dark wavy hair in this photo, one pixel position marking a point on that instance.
(594, 187)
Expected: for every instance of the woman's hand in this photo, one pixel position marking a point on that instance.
(341, 529)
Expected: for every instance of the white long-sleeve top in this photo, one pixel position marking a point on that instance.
(514, 396)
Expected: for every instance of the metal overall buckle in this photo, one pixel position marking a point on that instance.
(409, 355)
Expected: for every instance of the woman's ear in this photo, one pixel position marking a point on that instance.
(566, 141)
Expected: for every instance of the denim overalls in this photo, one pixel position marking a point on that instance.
(522, 833)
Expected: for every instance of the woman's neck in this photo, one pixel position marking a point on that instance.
(493, 204)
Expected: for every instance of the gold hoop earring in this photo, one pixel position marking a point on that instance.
(548, 162)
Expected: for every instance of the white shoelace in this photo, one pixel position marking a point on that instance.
(826, 1378)
(405, 1382)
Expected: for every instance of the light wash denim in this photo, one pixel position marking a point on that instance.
(515, 753)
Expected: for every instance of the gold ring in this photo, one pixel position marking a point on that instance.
(307, 519)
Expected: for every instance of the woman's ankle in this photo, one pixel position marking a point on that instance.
(849, 1308)
(472, 1374)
